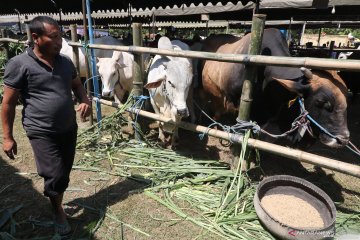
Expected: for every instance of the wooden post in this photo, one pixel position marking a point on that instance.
(319, 36)
(74, 38)
(138, 68)
(4, 34)
(257, 30)
(137, 41)
(29, 37)
(331, 49)
(302, 34)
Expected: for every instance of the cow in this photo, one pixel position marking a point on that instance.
(101, 53)
(110, 73)
(169, 82)
(116, 74)
(324, 92)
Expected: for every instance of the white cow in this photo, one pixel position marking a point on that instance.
(116, 74)
(101, 53)
(169, 83)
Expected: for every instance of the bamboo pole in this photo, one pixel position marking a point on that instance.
(74, 38)
(246, 98)
(30, 41)
(294, 154)
(4, 34)
(317, 63)
(137, 68)
(6, 39)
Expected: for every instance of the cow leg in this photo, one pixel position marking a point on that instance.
(190, 104)
(161, 133)
(161, 125)
(175, 138)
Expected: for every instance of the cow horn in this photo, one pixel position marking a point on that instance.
(307, 72)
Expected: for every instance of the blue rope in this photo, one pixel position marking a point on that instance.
(313, 120)
(137, 106)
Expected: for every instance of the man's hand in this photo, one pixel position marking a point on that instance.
(84, 110)
(10, 148)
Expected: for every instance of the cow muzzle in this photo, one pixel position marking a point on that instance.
(183, 112)
(106, 93)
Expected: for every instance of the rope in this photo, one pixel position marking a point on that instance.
(137, 106)
(301, 124)
(91, 92)
(349, 146)
(241, 127)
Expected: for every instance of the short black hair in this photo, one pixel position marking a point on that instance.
(37, 24)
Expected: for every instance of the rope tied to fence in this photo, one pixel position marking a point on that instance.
(85, 45)
(241, 127)
(136, 107)
(300, 124)
(91, 92)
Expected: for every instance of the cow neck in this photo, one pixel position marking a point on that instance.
(118, 82)
(166, 93)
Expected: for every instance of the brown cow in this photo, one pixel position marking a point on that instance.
(323, 91)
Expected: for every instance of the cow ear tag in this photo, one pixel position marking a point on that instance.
(300, 133)
(291, 102)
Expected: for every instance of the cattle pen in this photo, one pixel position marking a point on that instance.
(326, 64)
(300, 156)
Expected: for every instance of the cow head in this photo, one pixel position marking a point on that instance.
(109, 71)
(174, 83)
(324, 93)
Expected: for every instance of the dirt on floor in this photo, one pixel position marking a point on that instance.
(116, 207)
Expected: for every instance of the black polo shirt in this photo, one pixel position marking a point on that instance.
(45, 92)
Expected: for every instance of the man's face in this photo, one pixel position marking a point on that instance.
(50, 42)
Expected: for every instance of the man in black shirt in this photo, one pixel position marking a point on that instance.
(44, 80)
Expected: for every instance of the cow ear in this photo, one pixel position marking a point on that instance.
(165, 43)
(121, 65)
(165, 64)
(293, 86)
(153, 84)
(116, 55)
(156, 83)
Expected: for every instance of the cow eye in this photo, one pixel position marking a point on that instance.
(325, 105)
(171, 84)
(328, 106)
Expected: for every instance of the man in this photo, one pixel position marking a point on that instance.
(44, 79)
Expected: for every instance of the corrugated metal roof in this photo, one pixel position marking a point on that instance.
(193, 9)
